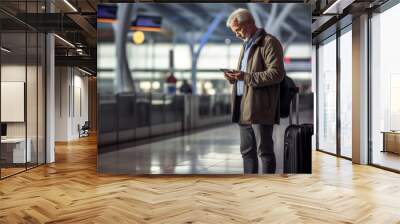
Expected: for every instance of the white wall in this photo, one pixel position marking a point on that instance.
(80, 100)
(71, 94)
(13, 73)
(61, 103)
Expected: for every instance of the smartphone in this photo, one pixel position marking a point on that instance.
(227, 70)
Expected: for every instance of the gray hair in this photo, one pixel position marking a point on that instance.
(240, 15)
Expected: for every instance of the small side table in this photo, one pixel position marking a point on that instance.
(391, 141)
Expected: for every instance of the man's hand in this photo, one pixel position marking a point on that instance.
(237, 75)
(228, 77)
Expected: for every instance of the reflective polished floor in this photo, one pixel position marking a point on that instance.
(213, 151)
(386, 159)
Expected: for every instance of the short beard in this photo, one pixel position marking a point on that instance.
(246, 39)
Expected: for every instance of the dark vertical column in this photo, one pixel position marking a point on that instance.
(338, 73)
(317, 97)
(37, 90)
(369, 44)
(26, 86)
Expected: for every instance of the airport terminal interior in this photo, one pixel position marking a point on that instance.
(89, 112)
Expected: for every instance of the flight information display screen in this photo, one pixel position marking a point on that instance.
(108, 14)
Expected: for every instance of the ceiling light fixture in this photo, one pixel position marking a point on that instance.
(5, 49)
(84, 71)
(70, 5)
(65, 41)
(138, 37)
(338, 6)
(329, 9)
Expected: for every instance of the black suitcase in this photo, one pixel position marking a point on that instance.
(297, 145)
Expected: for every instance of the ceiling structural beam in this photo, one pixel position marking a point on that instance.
(303, 21)
(260, 11)
(66, 42)
(328, 16)
(281, 17)
(85, 25)
(91, 5)
(180, 33)
(198, 21)
(83, 61)
(211, 29)
(5, 12)
(299, 24)
(70, 6)
(320, 22)
(72, 12)
(84, 71)
(167, 15)
(43, 22)
(256, 16)
(64, 8)
(337, 7)
(5, 49)
(165, 21)
(225, 32)
(203, 40)
(125, 14)
(283, 25)
(274, 9)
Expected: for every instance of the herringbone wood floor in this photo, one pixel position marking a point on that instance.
(70, 191)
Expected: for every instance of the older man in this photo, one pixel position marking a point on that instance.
(255, 96)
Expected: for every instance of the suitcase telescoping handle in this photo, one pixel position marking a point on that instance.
(296, 103)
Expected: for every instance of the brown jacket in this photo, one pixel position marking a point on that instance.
(265, 70)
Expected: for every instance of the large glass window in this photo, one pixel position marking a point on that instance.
(13, 88)
(385, 89)
(22, 87)
(327, 96)
(346, 94)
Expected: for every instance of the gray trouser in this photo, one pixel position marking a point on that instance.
(256, 141)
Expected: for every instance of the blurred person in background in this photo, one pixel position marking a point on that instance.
(255, 96)
(171, 83)
(185, 87)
